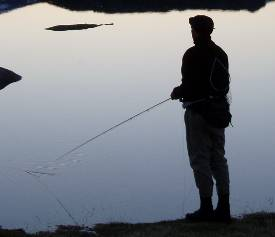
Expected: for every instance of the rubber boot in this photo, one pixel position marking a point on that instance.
(204, 214)
(222, 212)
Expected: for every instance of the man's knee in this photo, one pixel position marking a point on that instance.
(218, 163)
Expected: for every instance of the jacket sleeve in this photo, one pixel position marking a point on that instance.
(186, 69)
(185, 90)
(180, 91)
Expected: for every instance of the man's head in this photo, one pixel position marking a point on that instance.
(202, 26)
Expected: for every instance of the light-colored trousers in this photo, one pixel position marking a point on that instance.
(205, 145)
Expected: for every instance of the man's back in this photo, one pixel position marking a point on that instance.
(197, 65)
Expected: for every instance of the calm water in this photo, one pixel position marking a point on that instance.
(75, 84)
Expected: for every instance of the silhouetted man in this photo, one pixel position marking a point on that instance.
(204, 88)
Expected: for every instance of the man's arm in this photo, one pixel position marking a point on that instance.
(180, 91)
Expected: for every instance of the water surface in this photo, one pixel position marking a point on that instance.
(78, 83)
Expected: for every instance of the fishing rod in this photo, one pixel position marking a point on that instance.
(110, 129)
(104, 132)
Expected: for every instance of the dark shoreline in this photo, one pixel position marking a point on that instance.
(256, 224)
(135, 6)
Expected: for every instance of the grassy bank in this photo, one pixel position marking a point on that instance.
(252, 225)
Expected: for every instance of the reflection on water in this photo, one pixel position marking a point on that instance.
(120, 6)
(7, 77)
(78, 83)
(76, 27)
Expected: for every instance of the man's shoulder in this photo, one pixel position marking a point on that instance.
(189, 52)
(220, 50)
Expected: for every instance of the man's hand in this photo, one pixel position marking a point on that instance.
(175, 95)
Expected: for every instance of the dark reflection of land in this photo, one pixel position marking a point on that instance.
(8, 5)
(7, 77)
(122, 6)
(75, 27)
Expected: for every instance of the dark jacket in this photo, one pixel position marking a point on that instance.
(197, 65)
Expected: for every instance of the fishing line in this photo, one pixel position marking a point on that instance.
(29, 171)
(36, 176)
(49, 191)
(102, 133)
(39, 172)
